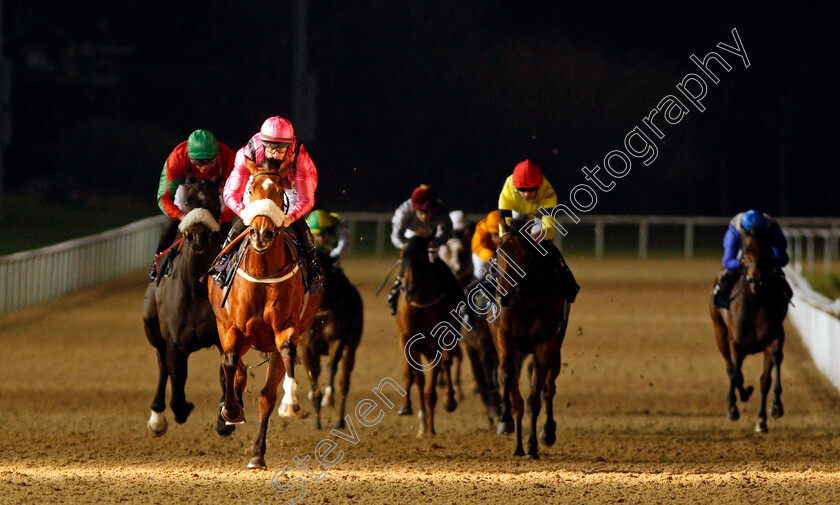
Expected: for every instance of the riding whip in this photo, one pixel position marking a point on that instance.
(387, 276)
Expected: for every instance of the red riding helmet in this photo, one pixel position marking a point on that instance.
(527, 174)
(278, 130)
(423, 198)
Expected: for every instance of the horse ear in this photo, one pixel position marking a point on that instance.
(287, 165)
(189, 178)
(252, 167)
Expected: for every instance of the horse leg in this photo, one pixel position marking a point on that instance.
(766, 378)
(776, 409)
(329, 398)
(428, 399)
(348, 361)
(177, 364)
(268, 398)
(549, 432)
(223, 428)
(534, 401)
(157, 421)
(507, 372)
(517, 407)
(312, 364)
(232, 412)
(736, 382)
(449, 403)
(477, 366)
(289, 407)
(406, 410)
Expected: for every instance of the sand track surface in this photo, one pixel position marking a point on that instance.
(640, 409)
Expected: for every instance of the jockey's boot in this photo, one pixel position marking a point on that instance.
(165, 261)
(219, 266)
(393, 295)
(153, 269)
(167, 237)
(309, 252)
(724, 288)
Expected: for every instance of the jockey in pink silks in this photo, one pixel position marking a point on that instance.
(276, 142)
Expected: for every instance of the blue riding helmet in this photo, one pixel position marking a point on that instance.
(753, 219)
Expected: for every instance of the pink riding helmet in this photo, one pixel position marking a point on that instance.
(277, 129)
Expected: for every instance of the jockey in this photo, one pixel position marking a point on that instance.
(198, 157)
(422, 214)
(329, 233)
(524, 193)
(276, 141)
(485, 241)
(742, 224)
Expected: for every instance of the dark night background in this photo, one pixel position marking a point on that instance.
(430, 91)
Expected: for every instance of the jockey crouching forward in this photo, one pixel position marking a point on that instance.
(276, 142)
(524, 193)
(746, 223)
(422, 214)
(198, 157)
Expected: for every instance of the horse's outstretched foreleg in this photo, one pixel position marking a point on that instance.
(177, 363)
(157, 421)
(776, 409)
(268, 398)
(289, 407)
(347, 363)
(232, 411)
(335, 359)
(312, 364)
(406, 409)
(507, 373)
(549, 431)
(517, 408)
(766, 379)
(534, 401)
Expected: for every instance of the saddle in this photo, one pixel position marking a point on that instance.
(163, 261)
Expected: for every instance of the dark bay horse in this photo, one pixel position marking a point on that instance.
(478, 344)
(430, 292)
(753, 324)
(336, 333)
(266, 308)
(533, 320)
(177, 315)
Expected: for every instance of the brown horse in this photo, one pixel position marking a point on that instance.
(336, 333)
(533, 320)
(266, 309)
(177, 316)
(430, 293)
(753, 324)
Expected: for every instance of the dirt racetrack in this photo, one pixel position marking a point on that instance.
(640, 411)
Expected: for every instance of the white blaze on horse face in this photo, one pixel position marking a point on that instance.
(267, 183)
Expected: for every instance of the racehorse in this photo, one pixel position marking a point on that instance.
(265, 308)
(430, 291)
(176, 312)
(533, 320)
(336, 333)
(753, 324)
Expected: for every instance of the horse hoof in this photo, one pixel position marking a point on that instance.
(450, 405)
(223, 428)
(733, 414)
(288, 410)
(235, 417)
(532, 456)
(745, 394)
(340, 423)
(548, 438)
(181, 414)
(776, 410)
(761, 427)
(504, 428)
(157, 424)
(519, 452)
(405, 411)
(257, 463)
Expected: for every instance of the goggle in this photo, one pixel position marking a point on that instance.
(527, 190)
(201, 162)
(274, 147)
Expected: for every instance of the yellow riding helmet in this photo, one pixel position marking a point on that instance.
(320, 221)
(491, 222)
